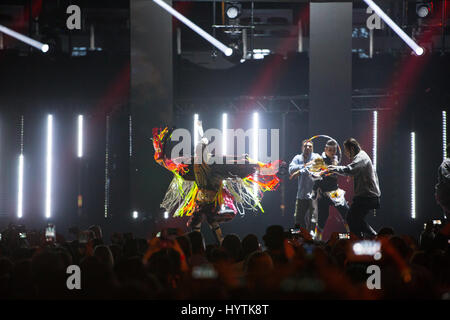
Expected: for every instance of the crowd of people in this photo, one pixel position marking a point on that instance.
(175, 265)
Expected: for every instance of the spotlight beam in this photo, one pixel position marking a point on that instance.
(410, 42)
(219, 45)
(38, 45)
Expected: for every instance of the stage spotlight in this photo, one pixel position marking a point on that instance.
(419, 51)
(80, 136)
(413, 175)
(444, 134)
(233, 10)
(410, 42)
(424, 9)
(224, 133)
(375, 139)
(38, 45)
(20, 189)
(219, 45)
(166, 215)
(48, 188)
(135, 214)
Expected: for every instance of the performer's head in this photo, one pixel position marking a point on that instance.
(331, 148)
(351, 147)
(307, 147)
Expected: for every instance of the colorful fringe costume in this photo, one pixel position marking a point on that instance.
(199, 189)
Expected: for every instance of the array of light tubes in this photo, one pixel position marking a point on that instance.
(254, 154)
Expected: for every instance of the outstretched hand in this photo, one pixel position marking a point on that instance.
(332, 168)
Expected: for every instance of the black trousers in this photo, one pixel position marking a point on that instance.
(323, 207)
(360, 207)
(303, 213)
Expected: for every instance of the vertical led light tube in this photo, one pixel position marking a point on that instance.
(80, 137)
(413, 175)
(20, 174)
(20, 189)
(106, 205)
(375, 139)
(130, 136)
(444, 134)
(255, 140)
(49, 164)
(255, 149)
(224, 133)
(195, 130)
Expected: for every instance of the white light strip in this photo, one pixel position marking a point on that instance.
(255, 150)
(224, 133)
(80, 136)
(48, 189)
(375, 139)
(410, 42)
(106, 205)
(20, 189)
(413, 175)
(195, 130)
(130, 135)
(444, 134)
(219, 45)
(38, 45)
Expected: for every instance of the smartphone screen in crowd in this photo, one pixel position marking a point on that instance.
(344, 235)
(50, 233)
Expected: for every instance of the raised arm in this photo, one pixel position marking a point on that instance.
(160, 140)
(351, 169)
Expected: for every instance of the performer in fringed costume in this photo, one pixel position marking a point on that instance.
(201, 189)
